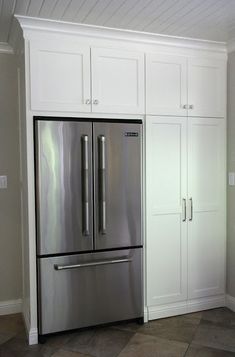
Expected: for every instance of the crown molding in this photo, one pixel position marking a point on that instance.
(6, 48)
(38, 24)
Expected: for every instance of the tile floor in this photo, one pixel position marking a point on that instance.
(204, 334)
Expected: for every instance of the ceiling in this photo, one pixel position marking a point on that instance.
(203, 19)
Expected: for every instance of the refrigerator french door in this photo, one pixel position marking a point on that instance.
(88, 210)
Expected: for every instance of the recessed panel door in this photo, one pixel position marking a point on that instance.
(166, 223)
(117, 81)
(206, 207)
(117, 172)
(64, 186)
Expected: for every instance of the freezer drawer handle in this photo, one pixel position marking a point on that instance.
(83, 265)
(85, 186)
(102, 188)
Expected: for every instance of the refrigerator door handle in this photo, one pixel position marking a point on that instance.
(85, 185)
(92, 264)
(102, 188)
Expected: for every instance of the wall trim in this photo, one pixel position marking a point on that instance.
(230, 302)
(231, 46)
(186, 307)
(38, 24)
(6, 48)
(10, 307)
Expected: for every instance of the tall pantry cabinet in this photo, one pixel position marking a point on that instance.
(185, 184)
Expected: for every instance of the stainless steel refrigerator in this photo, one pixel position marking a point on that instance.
(89, 222)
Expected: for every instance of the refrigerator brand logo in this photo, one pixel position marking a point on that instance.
(131, 133)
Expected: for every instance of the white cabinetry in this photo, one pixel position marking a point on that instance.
(185, 209)
(206, 188)
(166, 170)
(206, 87)
(67, 76)
(59, 76)
(117, 81)
(177, 85)
(166, 85)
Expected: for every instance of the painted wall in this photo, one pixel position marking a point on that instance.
(10, 227)
(231, 168)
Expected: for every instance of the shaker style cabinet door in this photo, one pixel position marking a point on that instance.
(206, 206)
(60, 76)
(166, 173)
(206, 87)
(166, 85)
(117, 81)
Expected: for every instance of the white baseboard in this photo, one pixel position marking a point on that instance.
(230, 302)
(32, 333)
(10, 307)
(185, 307)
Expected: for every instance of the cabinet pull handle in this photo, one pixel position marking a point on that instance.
(95, 101)
(184, 106)
(88, 101)
(191, 106)
(184, 209)
(191, 209)
(85, 185)
(102, 187)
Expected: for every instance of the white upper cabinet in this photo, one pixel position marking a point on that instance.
(185, 86)
(206, 87)
(206, 189)
(67, 76)
(166, 192)
(117, 81)
(166, 85)
(59, 76)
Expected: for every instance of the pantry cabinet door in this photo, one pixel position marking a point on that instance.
(206, 207)
(59, 76)
(166, 226)
(117, 81)
(206, 87)
(166, 85)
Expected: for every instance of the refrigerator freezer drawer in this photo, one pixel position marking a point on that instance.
(89, 289)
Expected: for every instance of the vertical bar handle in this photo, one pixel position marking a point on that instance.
(191, 209)
(184, 209)
(85, 186)
(102, 186)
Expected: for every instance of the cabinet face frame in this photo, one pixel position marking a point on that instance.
(158, 101)
(53, 76)
(166, 259)
(117, 81)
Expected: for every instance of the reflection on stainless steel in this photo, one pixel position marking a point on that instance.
(84, 297)
(122, 181)
(88, 200)
(59, 187)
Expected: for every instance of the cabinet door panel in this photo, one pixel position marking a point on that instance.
(117, 81)
(206, 185)
(166, 168)
(166, 86)
(206, 87)
(60, 76)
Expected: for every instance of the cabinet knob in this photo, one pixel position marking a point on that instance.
(88, 101)
(191, 106)
(95, 101)
(184, 106)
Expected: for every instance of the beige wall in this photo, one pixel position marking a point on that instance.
(231, 167)
(10, 236)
